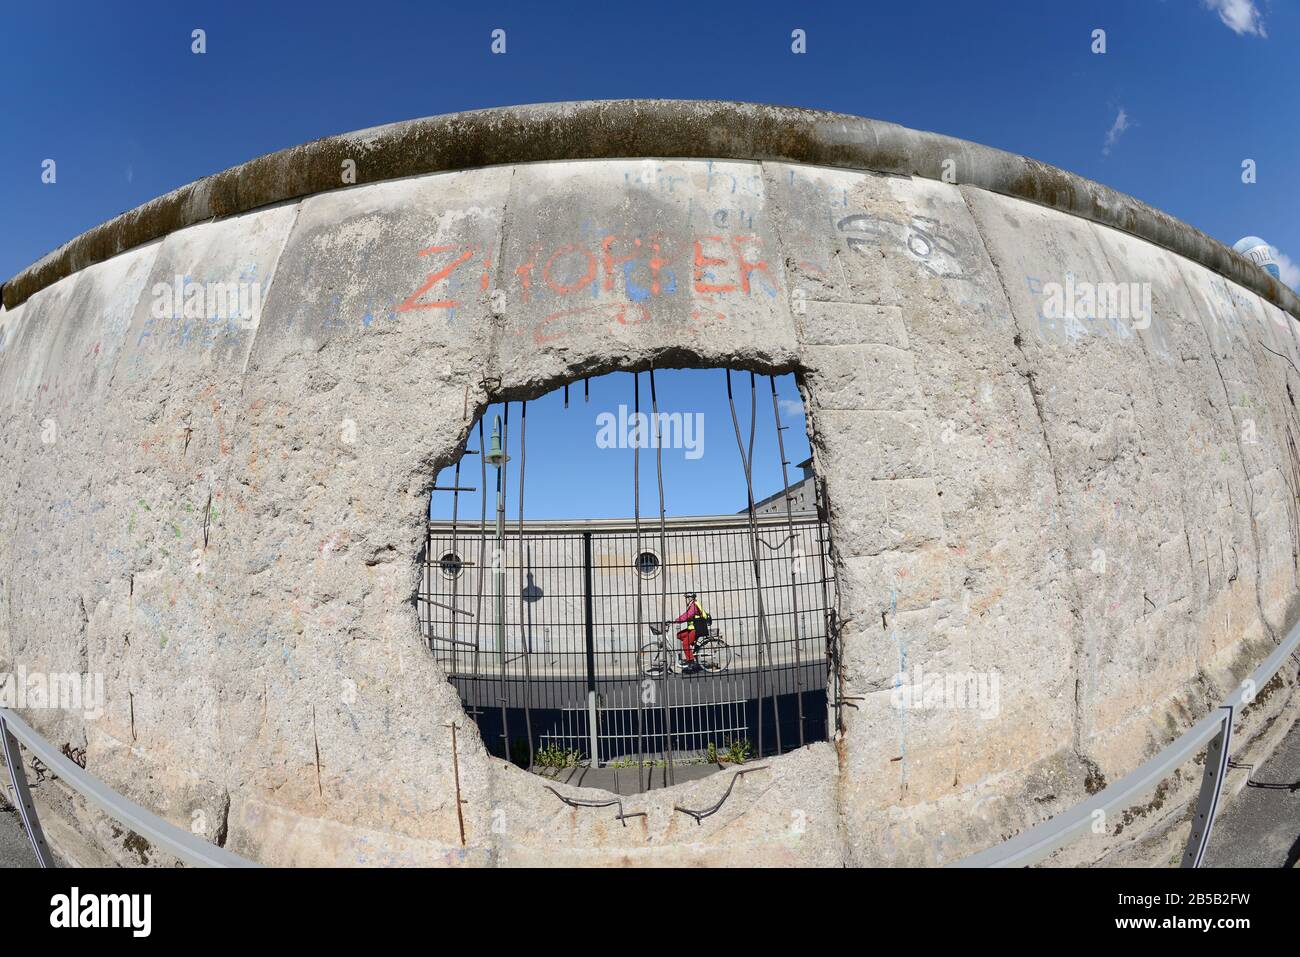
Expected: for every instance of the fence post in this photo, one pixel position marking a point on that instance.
(23, 797)
(590, 629)
(1207, 803)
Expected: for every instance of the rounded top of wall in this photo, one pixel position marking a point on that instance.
(621, 129)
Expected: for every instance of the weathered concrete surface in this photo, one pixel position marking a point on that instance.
(226, 518)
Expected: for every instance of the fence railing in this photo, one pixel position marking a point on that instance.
(571, 657)
(1213, 732)
(182, 844)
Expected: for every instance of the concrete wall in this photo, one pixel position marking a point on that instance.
(227, 517)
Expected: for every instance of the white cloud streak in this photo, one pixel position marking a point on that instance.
(1239, 16)
(1116, 131)
(1289, 268)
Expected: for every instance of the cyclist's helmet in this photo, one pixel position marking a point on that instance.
(689, 596)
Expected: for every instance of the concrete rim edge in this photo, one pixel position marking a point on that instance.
(631, 129)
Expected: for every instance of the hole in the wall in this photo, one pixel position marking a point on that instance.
(561, 550)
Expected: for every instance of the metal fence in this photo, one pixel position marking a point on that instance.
(577, 667)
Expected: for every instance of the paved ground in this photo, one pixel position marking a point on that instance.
(625, 781)
(1262, 826)
(15, 851)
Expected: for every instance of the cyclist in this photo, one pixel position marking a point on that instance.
(696, 620)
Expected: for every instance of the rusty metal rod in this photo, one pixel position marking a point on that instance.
(794, 582)
(482, 555)
(701, 815)
(455, 770)
(636, 557)
(523, 634)
(578, 802)
(498, 575)
(766, 681)
(663, 589)
(455, 511)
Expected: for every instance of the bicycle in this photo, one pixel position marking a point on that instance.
(711, 652)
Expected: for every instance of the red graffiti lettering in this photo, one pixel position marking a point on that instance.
(701, 261)
(432, 279)
(573, 287)
(556, 325)
(524, 271)
(747, 267)
(656, 263)
(610, 261)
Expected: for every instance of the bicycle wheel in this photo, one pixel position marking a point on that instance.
(650, 659)
(713, 654)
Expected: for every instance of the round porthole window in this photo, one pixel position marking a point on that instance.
(450, 565)
(647, 564)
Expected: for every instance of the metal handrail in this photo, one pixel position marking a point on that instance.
(1215, 728)
(182, 844)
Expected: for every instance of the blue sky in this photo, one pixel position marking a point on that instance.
(113, 94)
(571, 471)
(1186, 91)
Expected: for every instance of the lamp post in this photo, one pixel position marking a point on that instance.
(497, 458)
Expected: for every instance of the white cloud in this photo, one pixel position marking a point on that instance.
(1289, 268)
(791, 407)
(1116, 130)
(1239, 16)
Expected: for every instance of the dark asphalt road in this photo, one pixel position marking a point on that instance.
(1262, 826)
(15, 851)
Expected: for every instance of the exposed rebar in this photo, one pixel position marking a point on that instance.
(524, 636)
(579, 802)
(482, 555)
(834, 657)
(663, 589)
(498, 577)
(765, 644)
(701, 815)
(794, 584)
(455, 770)
(455, 512)
(636, 558)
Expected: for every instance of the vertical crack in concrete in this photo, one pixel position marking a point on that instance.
(316, 743)
(1073, 596)
(266, 296)
(1245, 469)
(1285, 434)
(492, 362)
(223, 825)
(1170, 448)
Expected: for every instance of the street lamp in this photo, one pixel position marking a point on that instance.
(496, 456)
